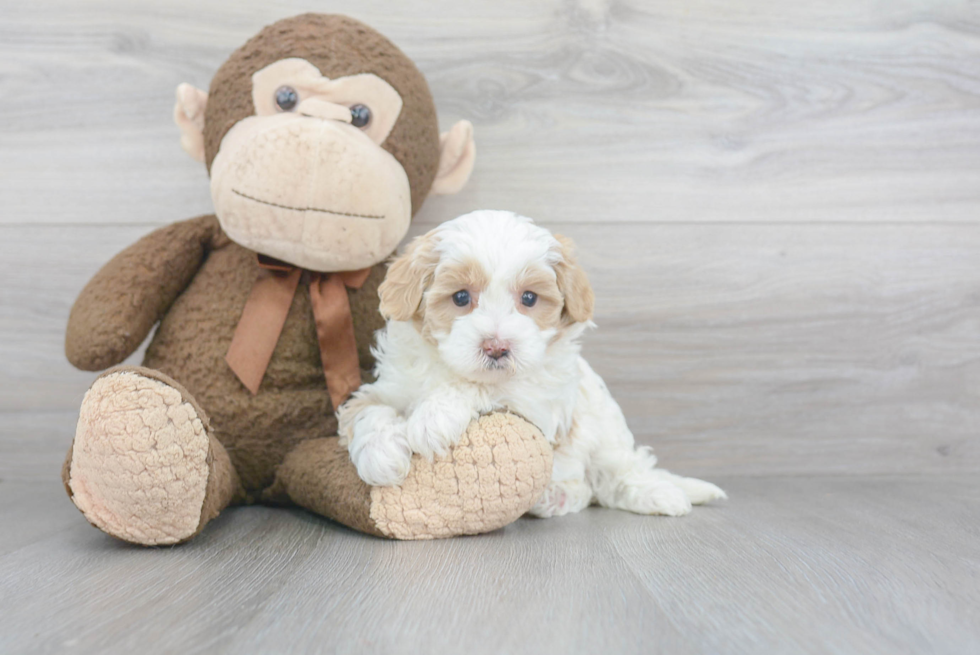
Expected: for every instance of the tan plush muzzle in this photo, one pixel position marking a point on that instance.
(316, 193)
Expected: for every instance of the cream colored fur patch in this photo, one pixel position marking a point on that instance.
(139, 467)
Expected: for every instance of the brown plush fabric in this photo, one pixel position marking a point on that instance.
(125, 299)
(292, 404)
(194, 334)
(224, 487)
(338, 46)
(318, 475)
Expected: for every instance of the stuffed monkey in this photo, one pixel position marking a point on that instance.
(321, 140)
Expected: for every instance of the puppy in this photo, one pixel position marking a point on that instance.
(485, 312)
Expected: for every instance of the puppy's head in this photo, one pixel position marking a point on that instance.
(491, 290)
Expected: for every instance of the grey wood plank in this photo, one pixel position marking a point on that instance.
(854, 544)
(32, 511)
(733, 349)
(788, 565)
(33, 445)
(591, 110)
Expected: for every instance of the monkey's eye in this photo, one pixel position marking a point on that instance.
(286, 98)
(461, 298)
(360, 115)
(528, 298)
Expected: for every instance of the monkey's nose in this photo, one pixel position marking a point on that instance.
(496, 349)
(316, 108)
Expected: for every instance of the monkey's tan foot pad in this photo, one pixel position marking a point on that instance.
(139, 465)
(494, 475)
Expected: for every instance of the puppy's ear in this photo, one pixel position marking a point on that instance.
(407, 278)
(573, 284)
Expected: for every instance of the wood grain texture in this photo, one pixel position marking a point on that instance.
(584, 110)
(777, 204)
(789, 565)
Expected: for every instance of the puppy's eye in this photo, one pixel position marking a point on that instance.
(286, 98)
(360, 115)
(461, 298)
(529, 298)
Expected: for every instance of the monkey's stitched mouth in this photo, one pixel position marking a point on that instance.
(306, 209)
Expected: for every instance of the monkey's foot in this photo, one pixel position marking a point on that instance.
(489, 479)
(141, 460)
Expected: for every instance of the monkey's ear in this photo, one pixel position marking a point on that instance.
(456, 157)
(189, 116)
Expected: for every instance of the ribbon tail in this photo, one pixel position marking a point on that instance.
(261, 324)
(335, 333)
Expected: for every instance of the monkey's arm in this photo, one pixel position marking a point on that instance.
(125, 299)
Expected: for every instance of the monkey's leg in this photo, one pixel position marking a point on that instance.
(493, 476)
(143, 466)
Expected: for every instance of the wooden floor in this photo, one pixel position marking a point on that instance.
(779, 207)
(789, 565)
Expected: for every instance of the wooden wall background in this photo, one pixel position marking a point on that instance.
(777, 202)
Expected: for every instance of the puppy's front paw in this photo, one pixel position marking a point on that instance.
(436, 425)
(382, 457)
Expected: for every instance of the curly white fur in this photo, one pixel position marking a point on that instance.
(434, 374)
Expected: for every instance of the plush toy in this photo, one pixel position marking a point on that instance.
(321, 141)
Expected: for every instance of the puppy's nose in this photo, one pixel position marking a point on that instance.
(495, 348)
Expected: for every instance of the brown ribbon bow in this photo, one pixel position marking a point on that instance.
(265, 314)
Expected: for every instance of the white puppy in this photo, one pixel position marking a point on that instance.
(485, 313)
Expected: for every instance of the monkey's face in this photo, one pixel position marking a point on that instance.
(322, 141)
(305, 180)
